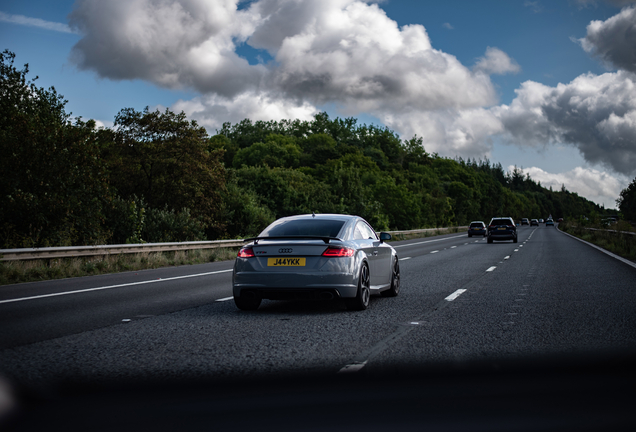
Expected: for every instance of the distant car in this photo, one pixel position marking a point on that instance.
(502, 228)
(524, 221)
(477, 228)
(321, 257)
(534, 222)
(560, 220)
(540, 220)
(549, 222)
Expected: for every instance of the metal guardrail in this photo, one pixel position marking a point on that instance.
(611, 231)
(105, 250)
(85, 251)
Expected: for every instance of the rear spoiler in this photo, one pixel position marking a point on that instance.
(325, 239)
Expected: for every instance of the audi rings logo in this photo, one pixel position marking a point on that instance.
(285, 250)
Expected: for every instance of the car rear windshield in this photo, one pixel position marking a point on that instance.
(475, 225)
(501, 222)
(304, 227)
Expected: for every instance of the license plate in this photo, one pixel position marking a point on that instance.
(286, 262)
(501, 229)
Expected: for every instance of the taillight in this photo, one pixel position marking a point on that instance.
(335, 251)
(246, 252)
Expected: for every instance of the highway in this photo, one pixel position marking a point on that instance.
(461, 299)
(537, 335)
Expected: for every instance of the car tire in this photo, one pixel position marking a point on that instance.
(395, 281)
(361, 300)
(514, 240)
(470, 235)
(489, 240)
(247, 304)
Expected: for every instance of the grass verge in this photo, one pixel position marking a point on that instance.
(623, 245)
(37, 270)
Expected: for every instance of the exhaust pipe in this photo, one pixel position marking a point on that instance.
(326, 295)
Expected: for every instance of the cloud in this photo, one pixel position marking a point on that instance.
(174, 44)
(211, 111)
(614, 40)
(346, 53)
(598, 186)
(464, 132)
(35, 22)
(496, 62)
(448, 26)
(596, 114)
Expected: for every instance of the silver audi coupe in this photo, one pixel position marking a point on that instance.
(316, 256)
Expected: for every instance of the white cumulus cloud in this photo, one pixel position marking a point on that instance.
(594, 113)
(345, 53)
(601, 187)
(211, 111)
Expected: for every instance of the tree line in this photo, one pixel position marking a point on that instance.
(156, 176)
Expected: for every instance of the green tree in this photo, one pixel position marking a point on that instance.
(626, 201)
(168, 161)
(54, 184)
(276, 151)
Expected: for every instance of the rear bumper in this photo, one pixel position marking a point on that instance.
(502, 236)
(279, 286)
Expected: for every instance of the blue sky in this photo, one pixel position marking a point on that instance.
(520, 82)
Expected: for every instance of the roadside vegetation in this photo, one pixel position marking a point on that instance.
(605, 234)
(37, 270)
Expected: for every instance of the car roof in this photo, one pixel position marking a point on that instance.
(331, 216)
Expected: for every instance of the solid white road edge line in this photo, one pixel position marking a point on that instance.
(111, 286)
(404, 259)
(606, 252)
(225, 299)
(454, 295)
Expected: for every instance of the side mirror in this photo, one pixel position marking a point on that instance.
(384, 236)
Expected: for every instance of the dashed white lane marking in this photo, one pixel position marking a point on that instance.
(112, 286)
(354, 367)
(435, 251)
(427, 241)
(405, 258)
(516, 250)
(225, 299)
(454, 295)
(491, 268)
(508, 257)
(453, 247)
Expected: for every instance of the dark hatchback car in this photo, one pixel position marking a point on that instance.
(477, 228)
(502, 228)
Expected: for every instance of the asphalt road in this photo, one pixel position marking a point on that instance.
(538, 335)
(461, 299)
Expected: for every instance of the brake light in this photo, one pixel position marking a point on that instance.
(246, 252)
(334, 251)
